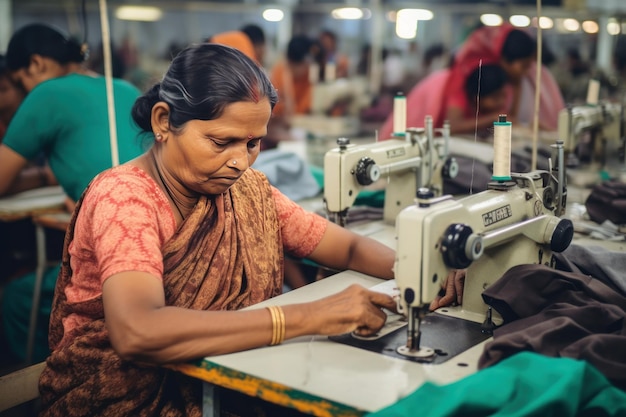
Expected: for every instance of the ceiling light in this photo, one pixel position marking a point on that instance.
(613, 28)
(571, 25)
(544, 22)
(347, 13)
(519, 20)
(490, 19)
(273, 15)
(416, 14)
(590, 26)
(140, 13)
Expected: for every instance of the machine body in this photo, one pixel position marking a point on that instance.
(597, 126)
(414, 162)
(512, 223)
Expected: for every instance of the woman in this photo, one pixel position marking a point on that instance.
(64, 114)
(11, 97)
(514, 50)
(161, 248)
(485, 90)
(64, 118)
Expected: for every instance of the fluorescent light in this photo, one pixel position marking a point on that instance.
(519, 20)
(417, 14)
(613, 27)
(347, 13)
(141, 13)
(273, 15)
(544, 22)
(590, 26)
(571, 25)
(489, 19)
(406, 21)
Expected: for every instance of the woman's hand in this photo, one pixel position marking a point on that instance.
(355, 309)
(451, 291)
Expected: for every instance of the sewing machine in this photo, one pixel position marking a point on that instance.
(417, 161)
(587, 130)
(335, 108)
(513, 222)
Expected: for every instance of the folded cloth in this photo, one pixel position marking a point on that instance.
(558, 314)
(289, 173)
(526, 384)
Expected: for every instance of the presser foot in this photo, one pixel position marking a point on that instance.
(422, 352)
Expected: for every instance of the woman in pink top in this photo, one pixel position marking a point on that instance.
(163, 251)
(443, 95)
(514, 50)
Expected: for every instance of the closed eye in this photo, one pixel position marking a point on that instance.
(254, 143)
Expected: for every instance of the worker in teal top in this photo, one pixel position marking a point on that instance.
(64, 117)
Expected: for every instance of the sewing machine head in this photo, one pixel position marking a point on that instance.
(406, 164)
(592, 127)
(349, 94)
(514, 222)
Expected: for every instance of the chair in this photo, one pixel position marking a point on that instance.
(20, 386)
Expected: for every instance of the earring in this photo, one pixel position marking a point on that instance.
(158, 137)
(234, 162)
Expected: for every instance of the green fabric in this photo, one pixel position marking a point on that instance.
(526, 384)
(370, 198)
(16, 304)
(67, 119)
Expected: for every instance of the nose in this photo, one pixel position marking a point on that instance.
(239, 158)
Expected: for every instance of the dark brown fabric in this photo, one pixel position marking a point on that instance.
(607, 201)
(226, 255)
(558, 314)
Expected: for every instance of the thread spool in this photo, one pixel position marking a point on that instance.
(399, 115)
(501, 150)
(314, 73)
(330, 72)
(593, 92)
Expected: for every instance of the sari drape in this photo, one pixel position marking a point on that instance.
(226, 255)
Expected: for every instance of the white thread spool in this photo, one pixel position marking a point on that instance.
(314, 73)
(399, 115)
(501, 150)
(593, 92)
(330, 72)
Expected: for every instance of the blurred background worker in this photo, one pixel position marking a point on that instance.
(64, 116)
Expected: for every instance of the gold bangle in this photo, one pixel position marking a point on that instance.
(278, 324)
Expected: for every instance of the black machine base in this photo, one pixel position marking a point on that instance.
(448, 336)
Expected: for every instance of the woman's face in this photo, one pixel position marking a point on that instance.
(39, 70)
(493, 102)
(209, 156)
(10, 96)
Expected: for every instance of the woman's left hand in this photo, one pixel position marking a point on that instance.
(452, 290)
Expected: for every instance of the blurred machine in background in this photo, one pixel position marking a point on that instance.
(592, 133)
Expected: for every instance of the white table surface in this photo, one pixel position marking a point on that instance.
(354, 377)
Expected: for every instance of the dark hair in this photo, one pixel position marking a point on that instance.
(44, 40)
(298, 48)
(255, 33)
(200, 82)
(491, 77)
(4, 70)
(619, 53)
(327, 32)
(518, 45)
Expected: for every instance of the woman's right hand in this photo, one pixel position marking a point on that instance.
(355, 309)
